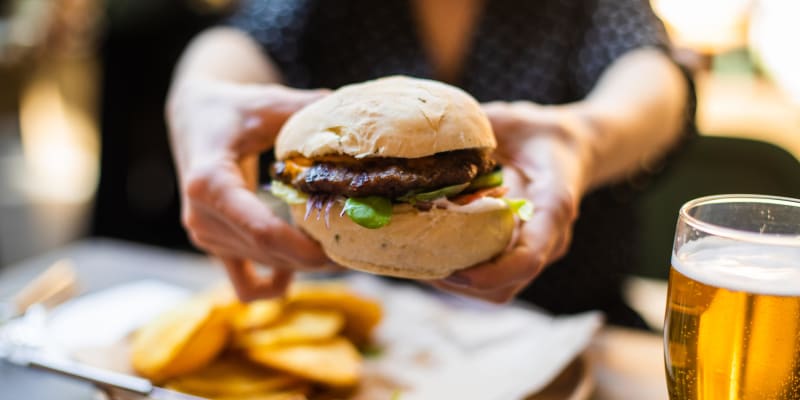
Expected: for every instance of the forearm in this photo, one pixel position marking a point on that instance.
(226, 55)
(634, 115)
(217, 64)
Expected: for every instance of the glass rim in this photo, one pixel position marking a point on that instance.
(738, 234)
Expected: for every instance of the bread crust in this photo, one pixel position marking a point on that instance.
(389, 117)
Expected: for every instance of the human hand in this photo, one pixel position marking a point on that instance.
(545, 156)
(217, 131)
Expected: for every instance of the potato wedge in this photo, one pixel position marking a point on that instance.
(287, 395)
(232, 376)
(221, 294)
(257, 314)
(362, 315)
(335, 362)
(298, 326)
(181, 340)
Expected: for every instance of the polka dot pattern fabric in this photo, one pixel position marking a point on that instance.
(613, 27)
(548, 51)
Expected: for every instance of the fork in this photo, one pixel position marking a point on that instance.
(55, 285)
(23, 317)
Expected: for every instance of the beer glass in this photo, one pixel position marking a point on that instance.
(732, 325)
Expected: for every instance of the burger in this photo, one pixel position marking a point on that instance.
(396, 177)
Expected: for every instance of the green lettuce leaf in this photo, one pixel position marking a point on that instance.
(491, 179)
(370, 212)
(287, 193)
(446, 191)
(521, 208)
(484, 181)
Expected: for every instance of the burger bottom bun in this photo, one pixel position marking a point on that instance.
(415, 244)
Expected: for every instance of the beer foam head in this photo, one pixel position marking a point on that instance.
(735, 265)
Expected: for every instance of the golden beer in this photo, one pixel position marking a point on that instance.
(732, 327)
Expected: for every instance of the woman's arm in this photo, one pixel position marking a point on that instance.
(224, 108)
(211, 56)
(220, 63)
(635, 113)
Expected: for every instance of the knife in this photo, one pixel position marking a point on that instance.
(101, 378)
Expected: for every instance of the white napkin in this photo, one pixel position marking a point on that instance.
(104, 318)
(433, 346)
(446, 348)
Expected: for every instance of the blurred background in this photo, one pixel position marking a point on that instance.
(79, 80)
(83, 79)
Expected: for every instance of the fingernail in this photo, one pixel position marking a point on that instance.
(458, 280)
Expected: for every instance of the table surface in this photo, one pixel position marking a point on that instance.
(626, 364)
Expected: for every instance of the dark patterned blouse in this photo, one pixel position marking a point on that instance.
(546, 51)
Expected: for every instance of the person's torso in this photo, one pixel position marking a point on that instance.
(514, 50)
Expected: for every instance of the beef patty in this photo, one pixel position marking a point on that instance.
(386, 177)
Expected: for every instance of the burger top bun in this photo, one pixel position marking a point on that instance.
(390, 117)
